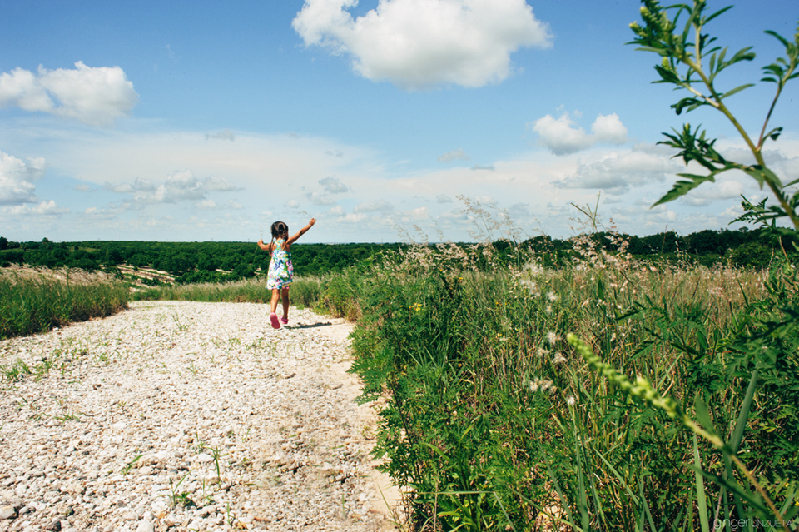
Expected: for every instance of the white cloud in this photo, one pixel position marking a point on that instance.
(535, 188)
(417, 44)
(45, 208)
(419, 213)
(235, 205)
(617, 172)
(561, 137)
(333, 185)
(353, 218)
(609, 129)
(94, 95)
(453, 155)
(292, 204)
(17, 177)
(179, 186)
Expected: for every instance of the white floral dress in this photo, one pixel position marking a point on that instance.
(281, 271)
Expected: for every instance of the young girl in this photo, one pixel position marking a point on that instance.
(281, 271)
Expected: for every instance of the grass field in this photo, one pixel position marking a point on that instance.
(33, 301)
(495, 421)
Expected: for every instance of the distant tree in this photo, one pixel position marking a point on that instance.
(3, 243)
(755, 254)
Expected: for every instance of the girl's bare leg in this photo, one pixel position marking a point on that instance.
(275, 298)
(285, 294)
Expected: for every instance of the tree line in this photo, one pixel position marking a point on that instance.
(213, 261)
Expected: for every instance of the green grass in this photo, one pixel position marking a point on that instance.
(31, 303)
(495, 422)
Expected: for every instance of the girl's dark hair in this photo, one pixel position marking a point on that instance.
(278, 229)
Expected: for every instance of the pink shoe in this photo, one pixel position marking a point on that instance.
(284, 320)
(275, 322)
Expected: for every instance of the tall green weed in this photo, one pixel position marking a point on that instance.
(34, 303)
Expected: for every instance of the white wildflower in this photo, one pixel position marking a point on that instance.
(558, 358)
(570, 400)
(534, 268)
(544, 385)
(552, 337)
(552, 296)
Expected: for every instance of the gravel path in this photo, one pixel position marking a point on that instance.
(186, 416)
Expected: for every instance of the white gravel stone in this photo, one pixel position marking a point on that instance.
(182, 415)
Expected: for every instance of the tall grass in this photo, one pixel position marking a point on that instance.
(495, 422)
(32, 302)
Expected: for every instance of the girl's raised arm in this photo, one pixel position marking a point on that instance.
(302, 231)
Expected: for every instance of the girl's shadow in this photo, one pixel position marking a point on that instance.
(309, 326)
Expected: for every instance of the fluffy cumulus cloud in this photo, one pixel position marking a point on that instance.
(94, 95)
(616, 172)
(180, 186)
(17, 177)
(561, 137)
(417, 44)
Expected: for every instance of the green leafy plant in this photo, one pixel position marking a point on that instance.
(692, 61)
(763, 339)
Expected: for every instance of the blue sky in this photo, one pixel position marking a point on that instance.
(208, 121)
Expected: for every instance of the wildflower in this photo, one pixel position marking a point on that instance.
(558, 358)
(543, 385)
(549, 309)
(552, 296)
(570, 400)
(552, 337)
(541, 352)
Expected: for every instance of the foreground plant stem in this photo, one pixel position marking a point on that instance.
(643, 390)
